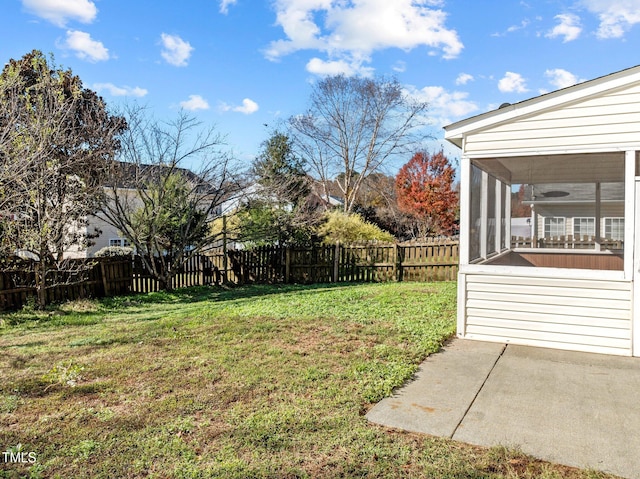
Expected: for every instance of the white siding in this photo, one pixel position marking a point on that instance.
(606, 122)
(575, 314)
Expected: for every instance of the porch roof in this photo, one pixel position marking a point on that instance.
(456, 132)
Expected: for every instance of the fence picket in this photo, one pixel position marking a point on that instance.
(432, 261)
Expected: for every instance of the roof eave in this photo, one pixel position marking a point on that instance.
(455, 132)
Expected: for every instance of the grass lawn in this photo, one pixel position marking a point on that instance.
(261, 381)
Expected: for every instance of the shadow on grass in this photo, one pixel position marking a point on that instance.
(198, 294)
(52, 316)
(99, 310)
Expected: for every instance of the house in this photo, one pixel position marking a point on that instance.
(579, 150)
(126, 181)
(565, 212)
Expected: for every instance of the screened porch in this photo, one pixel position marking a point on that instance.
(574, 207)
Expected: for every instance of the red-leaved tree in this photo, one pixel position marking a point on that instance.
(424, 188)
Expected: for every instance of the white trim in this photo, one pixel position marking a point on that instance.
(122, 242)
(632, 235)
(598, 217)
(498, 214)
(484, 215)
(562, 251)
(462, 306)
(532, 271)
(548, 101)
(629, 213)
(465, 186)
(578, 150)
(507, 215)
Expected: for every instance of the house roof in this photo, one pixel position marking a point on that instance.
(455, 132)
(132, 175)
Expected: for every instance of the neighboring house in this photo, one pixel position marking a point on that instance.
(579, 149)
(567, 211)
(126, 177)
(521, 228)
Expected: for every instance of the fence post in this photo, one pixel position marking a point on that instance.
(200, 263)
(225, 261)
(336, 263)
(103, 274)
(393, 259)
(399, 258)
(287, 264)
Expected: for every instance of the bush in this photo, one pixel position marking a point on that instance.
(351, 228)
(114, 251)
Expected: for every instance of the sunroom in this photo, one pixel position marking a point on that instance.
(575, 155)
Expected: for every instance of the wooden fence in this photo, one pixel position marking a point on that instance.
(432, 261)
(95, 278)
(81, 279)
(197, 271)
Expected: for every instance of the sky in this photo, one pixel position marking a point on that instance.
(245, 66)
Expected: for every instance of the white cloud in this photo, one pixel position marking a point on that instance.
(195, 102)
(337, 67)
(114, 90)
(175, 50)
(224, 5)
(59, 12)
(616, 16)
(85, 47)
(444, 106)
(248, 107)
(562, 78)
(400, 67)
(464, 78)
(513, 28)
(512, 82)
(568, 27)
(352, 31)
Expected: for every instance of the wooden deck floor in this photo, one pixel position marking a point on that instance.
(545, 259)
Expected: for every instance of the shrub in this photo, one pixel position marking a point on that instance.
(351, 228)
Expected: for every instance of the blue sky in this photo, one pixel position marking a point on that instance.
(244, 64)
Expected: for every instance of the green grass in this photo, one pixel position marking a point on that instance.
(253, 382)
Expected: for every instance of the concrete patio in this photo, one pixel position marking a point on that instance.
(577, 409)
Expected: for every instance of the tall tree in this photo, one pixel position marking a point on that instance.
(352, 127)
(424, 187)
(279, 172)
(519, 208)
(164, 209)
(276, 210)
(56, 140)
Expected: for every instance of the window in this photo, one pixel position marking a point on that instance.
(584, 227)
(614, 228)
(554, 226)
(119, 242)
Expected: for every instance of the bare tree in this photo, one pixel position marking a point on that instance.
(56, 140)
(164, 209)
(353, 126)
